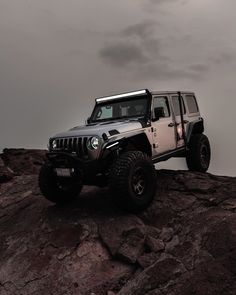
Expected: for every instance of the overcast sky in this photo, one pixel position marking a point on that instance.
(56, 56)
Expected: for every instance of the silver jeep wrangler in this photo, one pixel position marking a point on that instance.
(120, 143)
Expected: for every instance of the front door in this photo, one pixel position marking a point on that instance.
(164, 134)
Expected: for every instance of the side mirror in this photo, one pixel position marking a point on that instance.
(159, 113)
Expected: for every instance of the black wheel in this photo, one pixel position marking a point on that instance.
(133, 181)
(199, 153)
(58, 189)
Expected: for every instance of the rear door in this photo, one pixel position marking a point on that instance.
(192, 107)
(163, 131)
(177, 117)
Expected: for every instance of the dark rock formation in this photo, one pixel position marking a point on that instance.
(6, 173)
(23, 161)
(184, 243)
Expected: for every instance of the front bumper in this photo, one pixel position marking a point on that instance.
(88, 168)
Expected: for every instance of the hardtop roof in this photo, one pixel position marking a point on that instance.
(170, 92)
(139, 93)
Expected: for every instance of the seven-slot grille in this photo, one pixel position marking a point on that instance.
(74, 144)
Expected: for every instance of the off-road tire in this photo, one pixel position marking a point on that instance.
(126, 184)
(56, 190)
(199, 153)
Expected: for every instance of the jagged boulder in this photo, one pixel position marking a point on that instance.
(160, 272)
(124, 236)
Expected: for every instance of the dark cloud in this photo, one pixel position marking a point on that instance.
(134, 44)
(120, 54)
(144, 34)
(138, 50)
(143, 29)
(222, 58)
(156, 2)
(160, 7)
(198, 68)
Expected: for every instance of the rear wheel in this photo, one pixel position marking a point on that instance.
(133, 181)
(199, 153)
(58, 189)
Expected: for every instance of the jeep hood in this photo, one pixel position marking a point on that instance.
(109, 128)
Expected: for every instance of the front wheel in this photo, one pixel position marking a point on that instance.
(133, 181)
(199, 153)
(58, 189)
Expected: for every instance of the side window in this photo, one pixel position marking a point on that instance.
(162, 102)
(175, 100)
(192, 104)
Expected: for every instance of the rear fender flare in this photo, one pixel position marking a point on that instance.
(194, 128)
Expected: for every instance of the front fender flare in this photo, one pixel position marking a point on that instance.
(138, 140)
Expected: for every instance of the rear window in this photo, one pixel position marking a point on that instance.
(175, 100)
(192, 104)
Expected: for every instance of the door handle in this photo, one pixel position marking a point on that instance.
(186, 121)
(171, 125)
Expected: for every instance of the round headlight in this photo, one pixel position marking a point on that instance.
(54, 144)
(94, 141)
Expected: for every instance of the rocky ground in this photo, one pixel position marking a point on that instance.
(184, 243)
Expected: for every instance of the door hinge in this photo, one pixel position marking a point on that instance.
(153, 129)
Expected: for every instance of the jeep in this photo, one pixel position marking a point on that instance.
(121, 141)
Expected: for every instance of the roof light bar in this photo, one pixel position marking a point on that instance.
(128, 94)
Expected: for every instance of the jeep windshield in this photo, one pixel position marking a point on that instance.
(135, 107)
